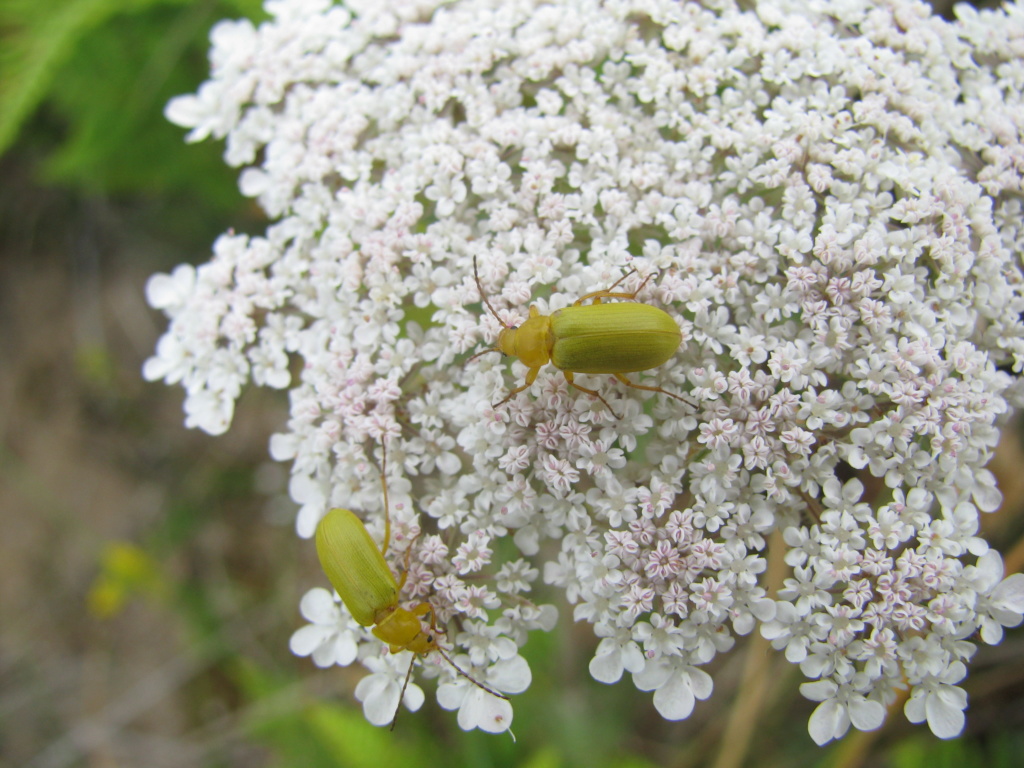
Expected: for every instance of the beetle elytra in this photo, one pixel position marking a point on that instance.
(357, 570)
(615, 338)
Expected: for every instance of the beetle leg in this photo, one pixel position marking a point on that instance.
(609, 293)
(531, 376)
(422, 610)
(598, 295)
(408, 555)
(405, 684)
(572, 383)
(629, 383)
(466, 675)
(405, 572)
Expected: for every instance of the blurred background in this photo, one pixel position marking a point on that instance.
(150, 575)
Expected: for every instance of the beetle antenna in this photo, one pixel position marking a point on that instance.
(481, 352)
(483, 296)
(644, 281)
(405, 684)
(617, 283)
(466, 675)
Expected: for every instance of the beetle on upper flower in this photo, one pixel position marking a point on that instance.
(597, 338)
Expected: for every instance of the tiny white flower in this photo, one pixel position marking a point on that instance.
(677, 686)
(311, 494)
(478, 708)
(840, 706)
(615, 654)
(171, 292)
(1000, 601)
(381, 691)
(940, 702)
(331, 636)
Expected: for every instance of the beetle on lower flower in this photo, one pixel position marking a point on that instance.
(367, 588)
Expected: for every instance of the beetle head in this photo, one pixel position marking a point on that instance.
(531, 342)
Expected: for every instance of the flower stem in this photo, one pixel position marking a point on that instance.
(753, 686)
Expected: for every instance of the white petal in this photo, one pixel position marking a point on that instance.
(988, 571)
(451, 695)
(991, 631)
(344, 649)
(796, 650)
(548, 618)
(865, 714)
(527, 540)
(414, 697)
(675, 699)
(371, 685)
(944, 717)
(169, 292)
(156, 368)
(607, 668)
(484, 711)
(324, 655)
(743, 623)
(1009, 595)
(186, 111)
(318, 606)
(253, 182)
(283, 446)
(701, 683)
(307, 520)
(632, 657)
(828, 721)
(303, 489)
(307, 639)
(986, 494)
(654, 675)
(449, 463)
(763, 609)
(914, 709)
(815, 665)
(235, 35)
(380, 698)
(819, 690)
(510, 675)
(209, 411)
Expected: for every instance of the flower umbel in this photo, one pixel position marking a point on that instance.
(829, 204)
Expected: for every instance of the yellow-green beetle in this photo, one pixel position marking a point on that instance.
(359, 573)
(357, 570)
(597, 338)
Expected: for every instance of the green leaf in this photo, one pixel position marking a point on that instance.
(83, 84)
(354, 742)
(37, 40)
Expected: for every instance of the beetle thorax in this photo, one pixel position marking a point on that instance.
(402, 630)
(531, 342)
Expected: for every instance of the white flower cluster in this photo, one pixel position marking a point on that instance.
(828, 196)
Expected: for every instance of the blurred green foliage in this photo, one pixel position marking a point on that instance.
(83, 84)
(1004, 750)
